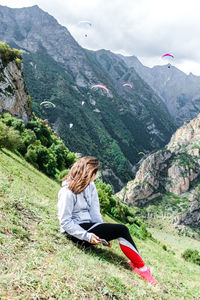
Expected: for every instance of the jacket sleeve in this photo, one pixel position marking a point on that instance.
(65, 209)
(95, 213)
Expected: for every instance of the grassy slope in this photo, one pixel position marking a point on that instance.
(39, 263)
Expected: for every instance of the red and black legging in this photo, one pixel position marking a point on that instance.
(109, 231)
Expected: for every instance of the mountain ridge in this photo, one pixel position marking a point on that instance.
(180, 92)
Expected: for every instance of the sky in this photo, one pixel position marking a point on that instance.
(144, 28)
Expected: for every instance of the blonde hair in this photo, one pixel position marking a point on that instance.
(81, 173)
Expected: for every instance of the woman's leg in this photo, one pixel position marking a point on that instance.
(109, 231)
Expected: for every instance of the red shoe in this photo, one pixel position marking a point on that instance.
(146, 275)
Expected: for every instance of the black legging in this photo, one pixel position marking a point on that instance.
(110, 231)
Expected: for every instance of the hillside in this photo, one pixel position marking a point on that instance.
(114, 126)
(39, 263)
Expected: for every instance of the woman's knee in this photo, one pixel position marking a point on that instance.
(123, 228)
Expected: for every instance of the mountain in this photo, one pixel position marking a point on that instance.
(180, 92)
(169, 179)
(113, 126)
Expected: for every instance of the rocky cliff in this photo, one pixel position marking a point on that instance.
(172, 170)
(13, 95)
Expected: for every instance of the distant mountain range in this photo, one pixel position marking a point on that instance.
(180, 92)
(117, 126)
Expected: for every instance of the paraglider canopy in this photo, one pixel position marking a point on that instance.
(70, 125)
(167, 54)
(100, 86)
(82, 103)
(169, 57)
(141, 153)
(47, 104)
(128, 84)
(87, 23)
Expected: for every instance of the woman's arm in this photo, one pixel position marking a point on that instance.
(95, 213)
(65, 209)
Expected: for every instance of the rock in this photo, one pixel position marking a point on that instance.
(109, 177)
(191, 217)
(173, 169)
(148, 179)
(13, 95)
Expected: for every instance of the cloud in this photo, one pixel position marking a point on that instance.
(145, 28)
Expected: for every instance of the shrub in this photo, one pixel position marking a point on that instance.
(9, 138)
(37, 143)
(191, 256)
(139, 231)
(120, 211)
(18, 62)
(62, 174)
(7, 54)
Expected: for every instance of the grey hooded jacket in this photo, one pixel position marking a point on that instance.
(74, 209)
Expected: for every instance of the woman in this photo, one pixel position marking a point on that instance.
(79, 215)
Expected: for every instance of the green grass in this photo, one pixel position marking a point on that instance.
(37, 262)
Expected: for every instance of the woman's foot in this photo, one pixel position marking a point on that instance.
(131, 264)
(146, 275)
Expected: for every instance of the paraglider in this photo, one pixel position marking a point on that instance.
(71, 125)
(47, 104)
(128, 84)
(100, 86)
(169, 55)
(141, 153)
(85, 24)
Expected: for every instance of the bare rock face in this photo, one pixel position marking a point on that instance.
(174, 170)
(185, 136)
(13, 95)
(107, 174)
(149, 179)
(191, 217)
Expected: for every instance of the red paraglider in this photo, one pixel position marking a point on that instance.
(168, 55)
(100, 86)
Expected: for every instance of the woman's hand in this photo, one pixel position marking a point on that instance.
(109, 245)
(95, 240)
